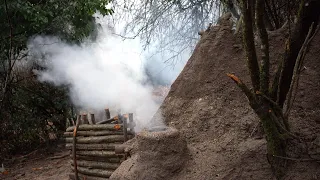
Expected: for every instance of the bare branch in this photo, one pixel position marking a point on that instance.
(297, 69)
(249, 44)
(265, 63)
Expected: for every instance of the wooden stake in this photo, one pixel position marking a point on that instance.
(131, 122)
(93, 120)
(74, 147)
(107, 111)
(125, 125)
(85, 119)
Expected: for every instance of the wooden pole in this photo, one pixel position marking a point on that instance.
(125, 126)
(96, 165)
(96, 127)
(100, 159)
(131, 122)
(107, 111)
(97, 139)
(95, 133)
(74, 147)
(110, 147)
(85, 119)
(93, 119)
(86, 177)
(95, 172)
(109, 154)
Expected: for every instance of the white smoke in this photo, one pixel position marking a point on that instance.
(106, 73)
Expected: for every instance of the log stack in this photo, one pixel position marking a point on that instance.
(92, 146)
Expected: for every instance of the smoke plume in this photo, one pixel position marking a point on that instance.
(106, 73)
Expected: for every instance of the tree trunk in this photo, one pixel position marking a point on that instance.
(276, 143)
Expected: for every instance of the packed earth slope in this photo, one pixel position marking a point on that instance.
(223, 135)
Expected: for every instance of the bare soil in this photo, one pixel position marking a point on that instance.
(43, 164)
(223, 134)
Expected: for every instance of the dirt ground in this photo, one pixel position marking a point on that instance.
(223, 135)
(42, 164)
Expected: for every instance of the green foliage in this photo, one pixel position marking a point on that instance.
(30, 110)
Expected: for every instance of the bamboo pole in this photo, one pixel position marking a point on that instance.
(94, 172)
(96, 165)
(98, 139)
(95, 127)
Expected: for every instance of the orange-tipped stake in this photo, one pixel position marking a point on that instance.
(117, 127)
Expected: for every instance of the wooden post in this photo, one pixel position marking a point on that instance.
(74, 147)
(125, 126)
(85, 119)
(131, 122)
(107, 113)
(93, 120)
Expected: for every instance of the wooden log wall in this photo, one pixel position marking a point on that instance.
(92, 145)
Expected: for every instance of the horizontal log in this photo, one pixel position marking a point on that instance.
(86, 177)
(94, 172)
(109, 154)
(93, 133)
(100, 159)
(96, 165)
(97, 139)
(96, 127)
(94, 146)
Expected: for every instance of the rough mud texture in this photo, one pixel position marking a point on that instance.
(154, 155)
(223, 133)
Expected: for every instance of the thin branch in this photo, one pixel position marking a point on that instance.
(294, 159)
(249, 44)
(307, 15)
(297, 68)
(265, 63)
(251, 97)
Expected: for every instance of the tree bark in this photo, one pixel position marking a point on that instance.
(86, 177)
(98, 139)
(95, 172)
(93, 146)
(99, 159)
(109, 154)
(95, 133)
(250, 49)
(96, 165)
(96, 127)
(264, 72)
(309, 13)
